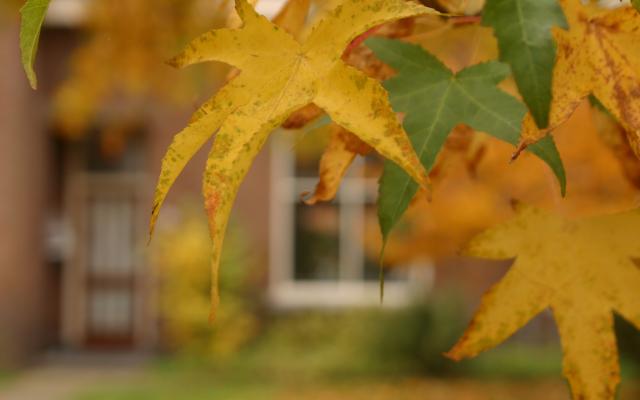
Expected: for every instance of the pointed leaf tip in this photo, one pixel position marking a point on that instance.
(32, 18)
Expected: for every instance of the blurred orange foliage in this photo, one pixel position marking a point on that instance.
(474, 184)
(119, 69)
(474, 187)
(181, 254)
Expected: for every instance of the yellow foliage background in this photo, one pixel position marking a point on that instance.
(182, 255)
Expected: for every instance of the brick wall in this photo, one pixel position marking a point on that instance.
(23, 188)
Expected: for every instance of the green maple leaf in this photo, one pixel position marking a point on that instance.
(33, 13)
(636, 4)
(435, 100)
(523, 30)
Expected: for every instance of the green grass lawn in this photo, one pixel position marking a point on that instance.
(184, 380)
(271, 372)
(5, 377)
(298, 360)
(354, 355)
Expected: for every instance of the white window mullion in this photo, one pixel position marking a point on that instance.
(282, 213)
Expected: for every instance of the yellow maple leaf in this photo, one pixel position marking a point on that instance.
(280, 75)
(443, 38)
(343, 145)
(599, 55)
(292, 18)
(582, 270)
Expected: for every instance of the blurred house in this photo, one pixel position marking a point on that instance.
(73, 221)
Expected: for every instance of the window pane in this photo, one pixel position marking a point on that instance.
(110, 312)
(373, 166)
(316, 242)
(111, 237)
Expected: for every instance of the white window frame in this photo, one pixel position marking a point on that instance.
(67, 13)
(350, 289)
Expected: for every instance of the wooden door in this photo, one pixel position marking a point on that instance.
(107, 292)
(110, 277)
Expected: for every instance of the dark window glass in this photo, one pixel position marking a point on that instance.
(317, 242)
